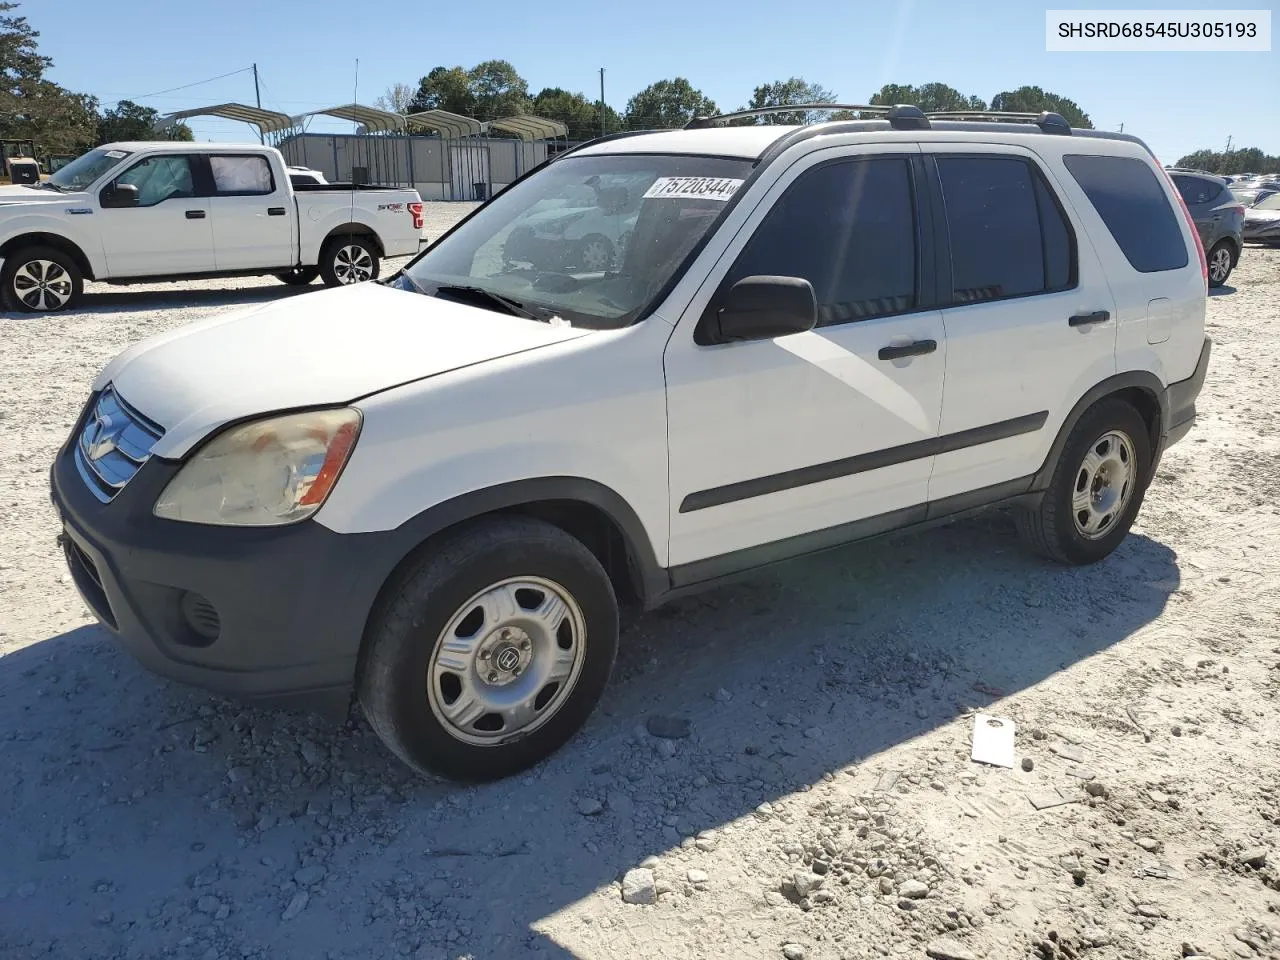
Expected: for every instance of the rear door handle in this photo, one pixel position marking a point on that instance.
(275, 211)
(919, 348)
(1085, 319)
(195, 214)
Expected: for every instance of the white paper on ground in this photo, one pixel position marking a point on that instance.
(993, 740)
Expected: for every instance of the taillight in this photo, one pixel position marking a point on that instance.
(415, 211)
(1239, 209)
(1191, 225)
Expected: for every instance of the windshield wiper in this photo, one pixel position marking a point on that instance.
(51, 185)
(514, 307)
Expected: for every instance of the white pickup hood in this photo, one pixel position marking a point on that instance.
(330, 347)
(25, 195)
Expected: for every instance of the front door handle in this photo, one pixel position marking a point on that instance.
(195, 214)
(916, 349)
(275, 211)
(1085, 319)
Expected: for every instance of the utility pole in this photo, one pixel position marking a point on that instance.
(257, 95)
(1122, 126)
(602, 101)
(1228, 150)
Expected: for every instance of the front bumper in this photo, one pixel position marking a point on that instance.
(1263, 231)
(262, 613)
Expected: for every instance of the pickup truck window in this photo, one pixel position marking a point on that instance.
(590, 239)
(160, 178)
(83, 171)
(242, 175)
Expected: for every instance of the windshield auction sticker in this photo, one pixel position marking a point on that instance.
(696, 188)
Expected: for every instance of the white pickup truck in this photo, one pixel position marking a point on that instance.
(141, 212)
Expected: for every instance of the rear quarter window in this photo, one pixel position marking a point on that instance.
(1133, 205)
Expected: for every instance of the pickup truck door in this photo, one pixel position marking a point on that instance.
(168, 232)
(797, 436)
(254, 216)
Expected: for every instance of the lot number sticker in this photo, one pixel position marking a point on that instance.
(698, 188)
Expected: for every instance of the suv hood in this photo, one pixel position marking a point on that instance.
(329, 347)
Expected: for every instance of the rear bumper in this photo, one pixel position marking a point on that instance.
(271, 614)
(1181, 399)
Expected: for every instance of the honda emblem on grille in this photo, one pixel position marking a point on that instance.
(101, 436)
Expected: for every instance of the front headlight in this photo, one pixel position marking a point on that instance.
(270, 472)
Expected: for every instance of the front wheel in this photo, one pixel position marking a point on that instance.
(347, 260)
(490, 652)
(1096, 490)
(1221, 263)
(40, 280)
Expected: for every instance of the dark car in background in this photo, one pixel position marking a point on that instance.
(1219, 217)
(1262, 221)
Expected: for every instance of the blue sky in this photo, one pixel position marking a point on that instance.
(306, 52)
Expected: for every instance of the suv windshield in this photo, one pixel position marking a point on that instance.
(82, 171)
(590, 239)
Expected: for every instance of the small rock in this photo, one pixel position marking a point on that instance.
(697, 876)
(621, 804)
(311, 753)
(650, 863)
(886, 886)
(1176, 731)
(722, 695)
(705, 844)
(1255, 857)
(1094, 788)
(1028, 764)
(1149, 910)
(341, 807)
(805, 883)
(296, 905)
(793, 951)
(944, 948)
(590, 807)
(1149, 844)
(638, 887)
(668, 728)
(813, 733)
(236, 774)
(774, 899)
(913, 890)
(667, 748)
(105, 917)
(309, 875)
(208, 904)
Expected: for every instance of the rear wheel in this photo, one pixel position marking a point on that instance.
(346, 260)
(298, 276)
(1221, 262)
(595, 253)
(1096, 489)
(40, 280)
(490, 651)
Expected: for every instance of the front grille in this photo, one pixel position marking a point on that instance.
(115, 442)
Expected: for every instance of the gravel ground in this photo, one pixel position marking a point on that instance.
(810, 793)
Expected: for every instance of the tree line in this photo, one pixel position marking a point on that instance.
(495, 89)
(1226, 162)
(33, 107)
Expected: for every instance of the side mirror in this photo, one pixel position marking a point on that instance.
(761, 308)
(120, 195)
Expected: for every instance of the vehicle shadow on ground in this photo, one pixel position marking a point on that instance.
(101, 297)
(120, 782)
(1223, 291)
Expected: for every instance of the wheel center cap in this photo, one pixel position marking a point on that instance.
(507, 659)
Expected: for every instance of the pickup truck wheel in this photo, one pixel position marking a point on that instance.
(348, 260)
(1096, 490)
(298, 276)
(40, 280)
(488, 653)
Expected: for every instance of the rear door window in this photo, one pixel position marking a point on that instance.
(1008, 234)
(1132, 204)
(244, 175)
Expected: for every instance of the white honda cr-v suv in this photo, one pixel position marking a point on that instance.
(435, 491)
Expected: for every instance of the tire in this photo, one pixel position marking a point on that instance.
(1053, 527)
(1221, 262)
(299, 276)
(346, 260)
(26, 270)
(409, 683)
(595, 253)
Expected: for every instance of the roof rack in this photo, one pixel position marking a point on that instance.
(901, 116)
